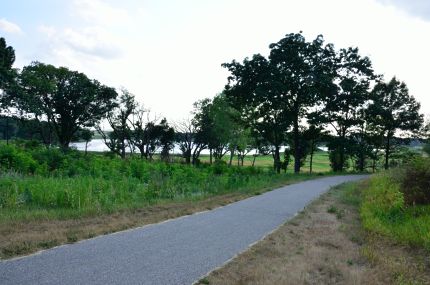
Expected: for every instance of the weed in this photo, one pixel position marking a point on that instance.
(332, 209)
(204, 281)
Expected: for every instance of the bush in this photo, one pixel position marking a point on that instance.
(416, 182)
(219, 167)
(52, 157)
(11, 158)
(384, 211)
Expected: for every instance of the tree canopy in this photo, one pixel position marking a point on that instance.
(66, 99)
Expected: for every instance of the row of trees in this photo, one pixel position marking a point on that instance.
(304, 87)
(304, 93)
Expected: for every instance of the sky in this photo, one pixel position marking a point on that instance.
(169, 53)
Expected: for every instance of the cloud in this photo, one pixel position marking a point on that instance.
(99, 12)
(91, 42)
(418, 8)
(9, 27)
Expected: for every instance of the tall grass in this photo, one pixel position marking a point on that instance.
(384, 210)
(71, 185)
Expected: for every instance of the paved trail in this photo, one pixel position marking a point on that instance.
(178, 251)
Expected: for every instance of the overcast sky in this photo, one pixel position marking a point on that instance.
(169, 53)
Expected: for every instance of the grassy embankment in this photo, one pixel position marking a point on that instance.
(397, 204)
(373, 232)
(49, 198)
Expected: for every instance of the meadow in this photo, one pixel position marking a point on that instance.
(321, 162)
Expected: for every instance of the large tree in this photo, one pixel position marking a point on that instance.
(66, 99)
(280, 90)
(249, 91)
(342, 108)
(393, 110)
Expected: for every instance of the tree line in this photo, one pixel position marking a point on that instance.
(302, 94)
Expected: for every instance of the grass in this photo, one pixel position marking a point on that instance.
(384, 212)
(320, 162)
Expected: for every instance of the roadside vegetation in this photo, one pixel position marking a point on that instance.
(396, 204)
(37, 183)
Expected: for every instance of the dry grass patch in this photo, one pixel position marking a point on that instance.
(324, 244)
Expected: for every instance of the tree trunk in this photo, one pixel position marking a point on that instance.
(296, 135)
(277, 160)
(342, 152)
(7, 130)
(253, 161)
(210, 156)
(231, 156)
(387, 151)
(86, 147)
(312, 156)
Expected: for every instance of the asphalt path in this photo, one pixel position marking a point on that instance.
(177, 251)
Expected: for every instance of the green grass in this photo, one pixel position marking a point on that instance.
(383, 211)
(320, 162)
(38, 183)
(74, 185)
(44, 198)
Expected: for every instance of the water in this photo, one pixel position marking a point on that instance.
(98, 145)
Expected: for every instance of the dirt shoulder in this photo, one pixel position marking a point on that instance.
(325, 244)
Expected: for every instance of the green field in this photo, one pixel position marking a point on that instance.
(320, 163)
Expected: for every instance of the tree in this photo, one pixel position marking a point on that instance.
(211, 122)
(185, 137)
(278, 91)
(249, 91)
(343, 106)
(119, 121)
(146, 133)
(87, 136)
(166, 136)
(7, 73)
(313, 135)
(7, 78)
(392, 110)
(66, 99)
(303, 74)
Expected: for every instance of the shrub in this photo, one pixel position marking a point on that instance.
(12, 158)
(52, 157)
(219, 167)
(384, 211)
(416, 182)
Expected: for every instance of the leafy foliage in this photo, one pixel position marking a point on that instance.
(393, 109)
(416, 182)
(388, 206)
(66, 99)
